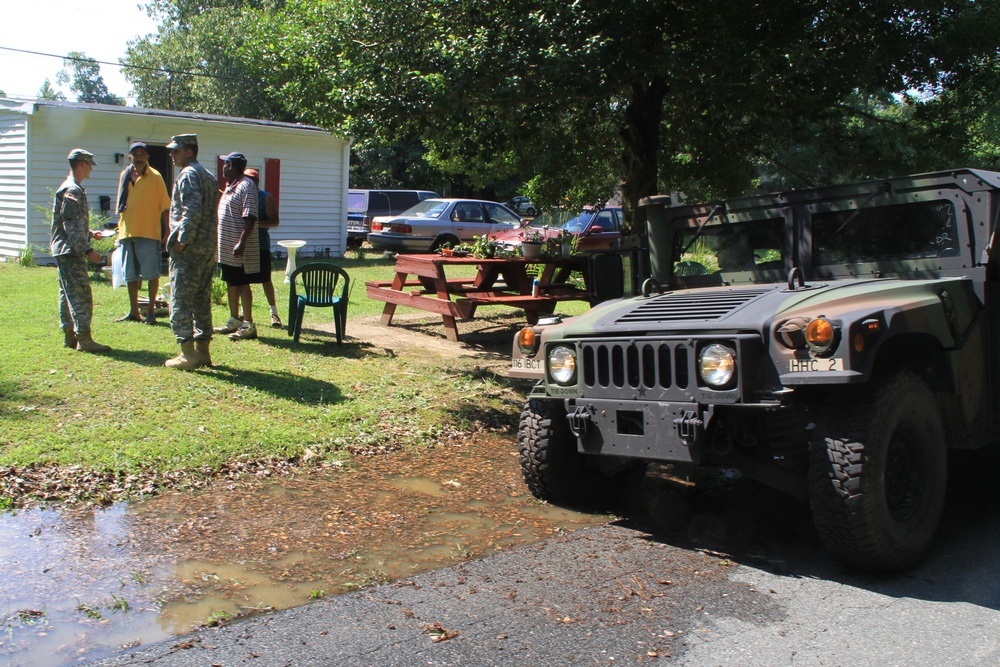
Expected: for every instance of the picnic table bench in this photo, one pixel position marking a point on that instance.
(501, 281)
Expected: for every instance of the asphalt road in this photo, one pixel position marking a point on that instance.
(724, 576)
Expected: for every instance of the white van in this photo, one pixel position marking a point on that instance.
(363, 205)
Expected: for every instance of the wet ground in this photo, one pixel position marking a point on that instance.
(80, 585)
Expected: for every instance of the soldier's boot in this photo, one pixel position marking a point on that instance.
(86, 343)
(201, 349)
(187, 360)
(69, 339)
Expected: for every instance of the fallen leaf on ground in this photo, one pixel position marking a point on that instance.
(438, 633)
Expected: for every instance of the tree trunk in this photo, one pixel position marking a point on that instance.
(640, 153)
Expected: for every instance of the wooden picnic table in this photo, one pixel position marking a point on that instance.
(503, 281)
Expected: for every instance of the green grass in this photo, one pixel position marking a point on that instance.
(266, 399)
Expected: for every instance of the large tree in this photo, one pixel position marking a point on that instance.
(83, 75)
(203, 59)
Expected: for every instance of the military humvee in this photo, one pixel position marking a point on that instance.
(832, 343)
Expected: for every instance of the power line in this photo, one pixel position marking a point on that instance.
(169, 72)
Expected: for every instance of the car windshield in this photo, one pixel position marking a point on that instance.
(428, 208)
(564, 220)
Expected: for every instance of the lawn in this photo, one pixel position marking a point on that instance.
(124, 413)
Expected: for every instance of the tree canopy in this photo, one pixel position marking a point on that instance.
(582, 100)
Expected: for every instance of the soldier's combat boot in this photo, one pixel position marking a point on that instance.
(86, 343)
(187, 360)
(201, 348)
(69, 338)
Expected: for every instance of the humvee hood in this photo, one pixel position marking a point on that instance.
(746, 307)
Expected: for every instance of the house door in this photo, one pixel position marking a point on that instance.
(159, 159)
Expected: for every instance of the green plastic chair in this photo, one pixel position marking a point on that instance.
(323, 285)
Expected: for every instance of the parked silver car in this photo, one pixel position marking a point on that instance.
(435, 222)
(522, 206)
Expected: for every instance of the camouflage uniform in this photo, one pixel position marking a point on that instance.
(193, 222)
(70, 245)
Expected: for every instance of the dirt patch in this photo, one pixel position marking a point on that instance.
(489, 337)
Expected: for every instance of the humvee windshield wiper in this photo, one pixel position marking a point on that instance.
(719, 208)
(885, 187)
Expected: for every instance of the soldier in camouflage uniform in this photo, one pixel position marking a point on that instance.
(71, 248)
(192, 245)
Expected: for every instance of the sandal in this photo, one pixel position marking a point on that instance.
(150, 318)
(129, 318)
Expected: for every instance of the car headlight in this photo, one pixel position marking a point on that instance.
(717, 365)
(562, 365)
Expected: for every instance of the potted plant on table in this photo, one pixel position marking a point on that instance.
(485, 247)
(531, 244)
(566, 243)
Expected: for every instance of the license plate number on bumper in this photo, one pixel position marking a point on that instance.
(815, 365)
(526, 364)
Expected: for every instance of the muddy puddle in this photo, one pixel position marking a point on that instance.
(79, 585)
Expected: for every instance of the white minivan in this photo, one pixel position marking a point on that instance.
(363, 205)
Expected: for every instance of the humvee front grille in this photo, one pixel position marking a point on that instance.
(654, 369)
(672, 307)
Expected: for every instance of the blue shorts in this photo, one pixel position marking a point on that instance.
(141, 258)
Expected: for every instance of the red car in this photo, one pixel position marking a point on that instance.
(595, 229)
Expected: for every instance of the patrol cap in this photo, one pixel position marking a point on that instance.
(235, 157)
(78, 154)
(138, 144)
(183, 140)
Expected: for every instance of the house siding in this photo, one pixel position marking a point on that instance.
(313, 165)
(13, 183)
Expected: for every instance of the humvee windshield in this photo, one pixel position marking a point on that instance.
(701, 258)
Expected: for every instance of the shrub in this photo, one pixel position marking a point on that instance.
(219, 289)
(26, 255)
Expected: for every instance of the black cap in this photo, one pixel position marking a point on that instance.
(138, 144)
(235, 157)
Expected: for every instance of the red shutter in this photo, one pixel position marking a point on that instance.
(222, 179)
(272, 177)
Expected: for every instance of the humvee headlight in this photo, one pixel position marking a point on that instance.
(527, 341)
(562, 365)
(821, 336)
(717, 365)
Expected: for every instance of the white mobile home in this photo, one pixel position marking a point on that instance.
(305, 167)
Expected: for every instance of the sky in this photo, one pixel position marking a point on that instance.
(100, 29)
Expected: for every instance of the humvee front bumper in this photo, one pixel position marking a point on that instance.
(637, 429)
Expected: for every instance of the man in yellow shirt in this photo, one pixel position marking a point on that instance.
(143, 207)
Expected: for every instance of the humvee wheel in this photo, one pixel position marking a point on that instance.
(551, 466)
(877, 475)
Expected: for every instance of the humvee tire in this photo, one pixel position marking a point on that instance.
(552, 467)
(878, 473)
